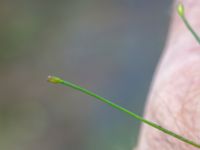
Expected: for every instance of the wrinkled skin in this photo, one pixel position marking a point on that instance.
(174, 99)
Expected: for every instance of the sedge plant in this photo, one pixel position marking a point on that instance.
(57, 80)
(181, 12)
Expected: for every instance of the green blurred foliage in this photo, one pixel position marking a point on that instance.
(103, 45)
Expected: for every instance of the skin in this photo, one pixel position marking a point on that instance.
(174, 98)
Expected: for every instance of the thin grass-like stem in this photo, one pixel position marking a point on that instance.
(57, 80)
(181, 12)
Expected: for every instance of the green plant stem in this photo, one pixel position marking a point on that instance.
(181, 13)
(187, 24)
(152, 124)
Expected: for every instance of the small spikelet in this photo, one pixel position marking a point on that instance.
(54, 79)
(180, 9)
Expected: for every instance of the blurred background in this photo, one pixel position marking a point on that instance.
(108, 46)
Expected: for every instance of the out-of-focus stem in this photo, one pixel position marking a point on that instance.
(181, 12)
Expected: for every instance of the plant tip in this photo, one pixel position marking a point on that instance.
(54, 79)
(180, 9)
